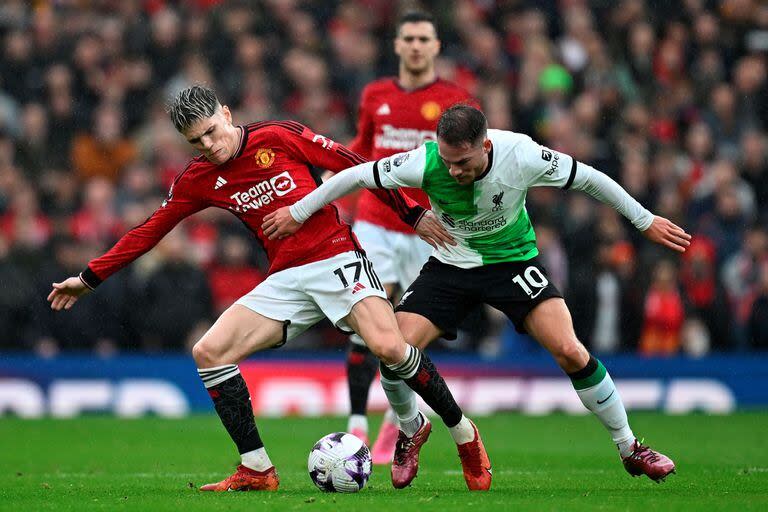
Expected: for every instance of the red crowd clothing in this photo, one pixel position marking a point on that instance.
(664, 317)
(392, 120)
(270, 170)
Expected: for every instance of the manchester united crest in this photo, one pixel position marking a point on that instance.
(264, 157)
(430, 110)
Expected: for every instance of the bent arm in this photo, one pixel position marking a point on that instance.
(604, 189)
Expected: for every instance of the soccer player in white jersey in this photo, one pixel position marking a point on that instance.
(477, 180)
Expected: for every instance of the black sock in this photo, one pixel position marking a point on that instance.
(421, 376)
(361, 370)
(232, 402)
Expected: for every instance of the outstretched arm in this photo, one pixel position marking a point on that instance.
(287, 220)
(655, 228)
(133, 244)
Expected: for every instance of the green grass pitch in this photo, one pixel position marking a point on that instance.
(540, 463)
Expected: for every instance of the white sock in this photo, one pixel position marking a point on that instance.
(412, 426)
(626, 446)
(357, 422)
(401, 398)
(391, 417)
(257, 460)
(463, 432)
(604, 400)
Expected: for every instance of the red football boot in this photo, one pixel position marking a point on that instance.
(247, 479)
(406, 460)
(475, 463)
(644, 461)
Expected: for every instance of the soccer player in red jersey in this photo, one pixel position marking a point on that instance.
(253, 170)
(396, 114)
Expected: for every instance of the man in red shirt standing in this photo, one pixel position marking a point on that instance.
(396, 114)
(253, 170)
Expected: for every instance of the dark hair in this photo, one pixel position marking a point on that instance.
(191, 105)
(462, 124)
(415, 17)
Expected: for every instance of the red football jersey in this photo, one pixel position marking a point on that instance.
(269, 171)
(392, 120)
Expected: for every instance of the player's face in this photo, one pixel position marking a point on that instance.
(465, 162)
(215, 136)
(417, 46)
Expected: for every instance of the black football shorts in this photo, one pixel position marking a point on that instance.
(445, 294)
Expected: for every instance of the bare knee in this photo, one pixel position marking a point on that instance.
(572, 356)
(389, 348)
(205, 355)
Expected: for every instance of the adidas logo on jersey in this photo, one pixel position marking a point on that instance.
(358, 286)
(384, 110)
(220, 182)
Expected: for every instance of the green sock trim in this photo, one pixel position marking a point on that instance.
(592, 380)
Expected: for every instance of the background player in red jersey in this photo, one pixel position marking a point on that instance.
(321, 272)
(396, 114)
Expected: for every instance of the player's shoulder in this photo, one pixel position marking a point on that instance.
(505, 140)
(451, 88)
(194, 166)
(272, 128)
(512, 147)
(383, 85)
(185, 179)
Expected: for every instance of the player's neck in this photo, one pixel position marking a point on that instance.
(410, 81)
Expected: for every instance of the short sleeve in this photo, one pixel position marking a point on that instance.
(540, 166)
(401, 170)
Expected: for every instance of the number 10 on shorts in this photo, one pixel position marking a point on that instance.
(530, 280)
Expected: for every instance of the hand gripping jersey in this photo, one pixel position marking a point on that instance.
(270, 170)
(392, 120)
(488, 218)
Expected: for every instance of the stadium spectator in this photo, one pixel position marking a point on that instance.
(175, 300)
(758, 318)
(232, 275)
(664, 313)
(105, 152)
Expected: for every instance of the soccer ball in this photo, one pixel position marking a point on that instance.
(339, 462)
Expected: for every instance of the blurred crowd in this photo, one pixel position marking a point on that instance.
(668, 98)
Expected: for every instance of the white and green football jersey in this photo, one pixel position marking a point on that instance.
(487, 218)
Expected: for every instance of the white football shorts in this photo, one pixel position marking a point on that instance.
(397, 257)
(322, 289)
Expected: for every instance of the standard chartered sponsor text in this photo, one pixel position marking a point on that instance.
(482, 225)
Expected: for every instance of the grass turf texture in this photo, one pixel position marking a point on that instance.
(540, 463)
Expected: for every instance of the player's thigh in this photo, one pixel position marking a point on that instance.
(417, 330)
(379, 246)
(442, 295)
(338, 284)
(282, 298)
(235, 335)
(551, 325)
(374, 321)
